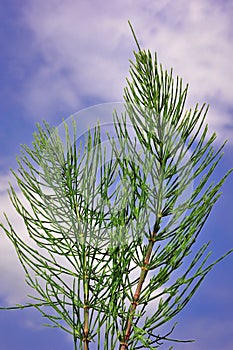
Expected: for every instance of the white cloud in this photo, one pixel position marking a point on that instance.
(13, 288)
(84, 49)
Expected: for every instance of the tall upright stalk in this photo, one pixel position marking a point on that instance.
(86, 302)
(134, 302)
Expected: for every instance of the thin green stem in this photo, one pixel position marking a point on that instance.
(86, 301)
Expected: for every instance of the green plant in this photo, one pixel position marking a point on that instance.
(107, 239)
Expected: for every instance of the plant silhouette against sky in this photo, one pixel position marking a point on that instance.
(107, 238)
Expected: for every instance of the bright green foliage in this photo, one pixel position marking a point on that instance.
(108, 239)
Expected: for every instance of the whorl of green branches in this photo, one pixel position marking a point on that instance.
(106, 240)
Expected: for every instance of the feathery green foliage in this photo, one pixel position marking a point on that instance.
(107, 239)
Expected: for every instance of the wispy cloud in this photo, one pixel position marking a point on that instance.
(13, 288)
(82, 50)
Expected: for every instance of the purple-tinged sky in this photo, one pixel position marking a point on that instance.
(58, 57)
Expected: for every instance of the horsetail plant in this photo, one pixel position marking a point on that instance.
(107, 236)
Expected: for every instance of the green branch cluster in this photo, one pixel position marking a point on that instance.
(107, 239)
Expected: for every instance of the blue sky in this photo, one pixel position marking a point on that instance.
(58, 57)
